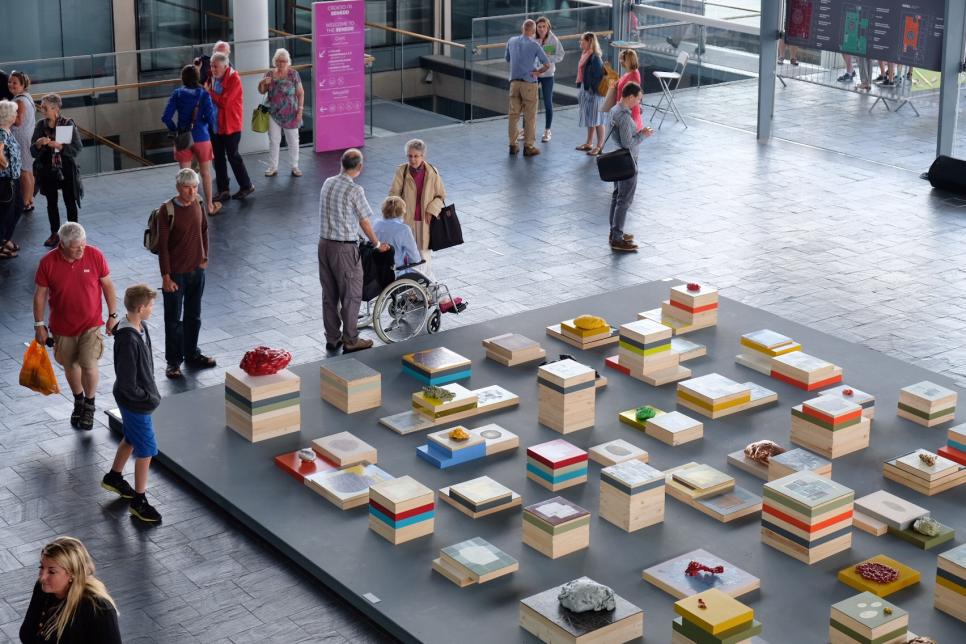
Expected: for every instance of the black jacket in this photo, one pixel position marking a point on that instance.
(48, 178)
(134, 387)
(94, 621)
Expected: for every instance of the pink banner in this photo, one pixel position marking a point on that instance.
(338, 45)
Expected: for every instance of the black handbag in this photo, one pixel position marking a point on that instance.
(183, 139)
(618, 165)
(445, 230)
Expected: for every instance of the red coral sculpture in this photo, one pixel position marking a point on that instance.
(762, 451)
(847, 392)
(877, 572)
(264, 361)
(694, 286)
(694, 568)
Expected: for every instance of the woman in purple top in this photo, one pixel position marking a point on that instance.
(285, 98)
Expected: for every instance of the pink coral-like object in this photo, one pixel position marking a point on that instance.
(877, 572)
(264, 361)
(694, 568)
(694, 286)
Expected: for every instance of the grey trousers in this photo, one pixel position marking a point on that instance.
(620, 201)
(340, 273)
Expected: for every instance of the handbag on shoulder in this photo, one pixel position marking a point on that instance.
(609, 75)
(618, 165)
(445, 230)
(183, 139)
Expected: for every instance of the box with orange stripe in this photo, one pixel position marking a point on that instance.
(831, 426)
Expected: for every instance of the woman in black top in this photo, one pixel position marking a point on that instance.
(69, 605)
(55, 164)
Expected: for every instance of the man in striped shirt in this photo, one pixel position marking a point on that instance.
(343, 210)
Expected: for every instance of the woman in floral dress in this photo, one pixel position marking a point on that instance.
(285, 99)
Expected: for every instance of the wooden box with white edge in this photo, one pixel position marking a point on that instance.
(262, 407)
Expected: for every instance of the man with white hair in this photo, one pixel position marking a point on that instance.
(203, 62)
(183, 258)
(225, 87)
(73, 277)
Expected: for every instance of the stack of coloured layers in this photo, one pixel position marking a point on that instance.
(759, 347)
(511, 349)
(798, 460)
(480, 497)
(714, 395)
(344, 449)
(544, 617)
(906, 577)
(689, 310)
(867, 619)
(807, 517)
(950, 593)
(711, 492)
(713, 617)
(861, 398)
(632, 495)
(583, 338)
(804, 371)
(436, 366)
(262, 407)
(556, 464)
(474, 561)
(880, 511)
(556, 527)
(350, 385)
(645, 351)
(916, 473)
(348, 487)
(566, 396)
(438, 408)
(421, 416)
(927, 403)
(617, 451)
(830, 426)
(444, 452)
(401, 509)
(955, 447)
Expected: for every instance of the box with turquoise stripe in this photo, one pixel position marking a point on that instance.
(401, 509)
(436, 366)
(557, 465)
(556, 527)
(262, 407)
(566, 396)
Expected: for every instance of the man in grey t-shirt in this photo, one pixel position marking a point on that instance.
(343, 209)
(626, 135)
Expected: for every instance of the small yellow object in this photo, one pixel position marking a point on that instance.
(589, 322)
(459, 434)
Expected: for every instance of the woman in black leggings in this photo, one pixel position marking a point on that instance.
(55, 164)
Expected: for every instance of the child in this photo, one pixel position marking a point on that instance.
(136, 396)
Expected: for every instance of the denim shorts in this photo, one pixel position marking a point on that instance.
(139, 432)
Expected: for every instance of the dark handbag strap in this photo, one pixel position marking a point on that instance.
(194, 112)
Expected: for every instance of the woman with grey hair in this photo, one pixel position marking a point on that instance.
(11, 203)
(285, 98)
(55, 164)
(420, 186)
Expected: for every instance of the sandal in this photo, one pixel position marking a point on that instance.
(594, 152)
(7, 254)
(29, 208)
(215, 208)
(11, 246)
(583, 148)
(173, 371)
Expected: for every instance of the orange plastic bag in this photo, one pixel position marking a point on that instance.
(37, 373)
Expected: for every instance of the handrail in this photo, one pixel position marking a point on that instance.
(693, 18)
(412, 34)
(114, 146)
(497, 45)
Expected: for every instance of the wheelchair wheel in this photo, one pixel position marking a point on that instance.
(435, 321)
(400, 311)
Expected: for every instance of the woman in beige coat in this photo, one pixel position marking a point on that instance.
(420, 186)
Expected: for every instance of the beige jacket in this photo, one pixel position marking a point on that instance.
(434, 198)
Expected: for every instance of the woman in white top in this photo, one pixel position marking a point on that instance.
(555, 52)
(23, 129)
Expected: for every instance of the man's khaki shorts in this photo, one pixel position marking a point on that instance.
(83, 350)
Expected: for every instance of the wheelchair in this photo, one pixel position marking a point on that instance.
(404, 306)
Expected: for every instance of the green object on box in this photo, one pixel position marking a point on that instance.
(645, 413)
(924, 541)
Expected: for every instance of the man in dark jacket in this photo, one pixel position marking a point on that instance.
(136, 396)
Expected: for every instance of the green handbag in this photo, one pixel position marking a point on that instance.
(260, 119)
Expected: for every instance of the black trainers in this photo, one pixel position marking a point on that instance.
(75, 415)
(141, 509)
(86, 421)
(114, 482)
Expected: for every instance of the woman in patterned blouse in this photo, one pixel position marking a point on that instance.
(285, 98)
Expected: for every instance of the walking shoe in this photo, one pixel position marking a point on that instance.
(86, 421)
(271, 172)
(52, 241)
(887, 83)
(514, 149)
(546, 136)
(224, 195)
(114, 482)
(75, 415)
(141, 509)
(201, 361)
(623, 246)
(628, 237)
(530, 151)
(358, 345)
(244, 192)
(296, 172)
(333, 346)
(878, 79)
(846, 77)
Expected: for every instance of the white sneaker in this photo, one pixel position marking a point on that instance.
(546, 136)
(271, 172)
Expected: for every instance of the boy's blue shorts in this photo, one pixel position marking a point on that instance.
(139, 432)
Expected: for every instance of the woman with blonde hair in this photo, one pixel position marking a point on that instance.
(69, 604)
(590, 72)
(628, 60)
(286, 99)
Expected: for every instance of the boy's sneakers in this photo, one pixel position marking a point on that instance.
(86, 420)
(114, 482)
(141, 509)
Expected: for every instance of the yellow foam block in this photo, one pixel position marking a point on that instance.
(907, 577)
(722, 611)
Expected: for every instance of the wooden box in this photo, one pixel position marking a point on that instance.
(556, 527)
(865, 400)
(632, 495)
(907, 577)
(713, 616)
(344, 449)
(674, 428)
(444, 452)
(927, 403)
(830, 426)
(867, 618)
(645, 351)
(262, 407)
(617, 451)
(759, 347)
(496, 439)
(804, 371)
(950, 593)
(911, 471)
(566, 396)
(807, 517)
(890, 509)
(714, 396)
(348, 487)
(350, 385)
(436, 366)
(694, 310)
(512, 349)
(670, 576)
(401, 509)
(544, 617)
(556, 464)
(480, 497)
(474, 561)
(583, 339)
(798, 460)
(299, 468)
(437, 409)
(955, 447)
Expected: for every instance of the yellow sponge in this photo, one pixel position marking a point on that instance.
(589, 322)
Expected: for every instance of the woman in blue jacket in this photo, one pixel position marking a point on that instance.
(196, 113)
(590, 72)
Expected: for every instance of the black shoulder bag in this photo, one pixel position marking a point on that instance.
(618, 165)
(445, 230)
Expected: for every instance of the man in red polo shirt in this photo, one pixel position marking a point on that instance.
(73, 277)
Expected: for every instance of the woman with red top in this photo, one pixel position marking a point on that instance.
(420, 186)
(628, 60)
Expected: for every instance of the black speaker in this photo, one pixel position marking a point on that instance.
(947, 173)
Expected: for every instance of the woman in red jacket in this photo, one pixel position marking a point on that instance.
(225, 87)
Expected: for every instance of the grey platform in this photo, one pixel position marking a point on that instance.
(417, 604)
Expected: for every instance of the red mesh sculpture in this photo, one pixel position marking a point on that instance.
(264, 361)
(694, 568)
(877, 572)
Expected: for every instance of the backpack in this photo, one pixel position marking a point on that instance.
(151, 232)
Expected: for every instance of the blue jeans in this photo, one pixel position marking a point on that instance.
(181, 337)
(546, 87)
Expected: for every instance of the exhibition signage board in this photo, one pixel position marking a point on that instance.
(338, 72)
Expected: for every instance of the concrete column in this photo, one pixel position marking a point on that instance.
(952, 64)
(771, 13)
(250, 21)
(125, 71)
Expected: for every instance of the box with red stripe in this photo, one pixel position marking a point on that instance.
(831, 426)
(556, 464)
(401, 509)
(955, 447)
(804, 371)
(697, 308)
(950, 593)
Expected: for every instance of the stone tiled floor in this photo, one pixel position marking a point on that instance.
(856, 249)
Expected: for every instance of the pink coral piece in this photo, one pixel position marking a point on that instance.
(694, 286)
(264, 361)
